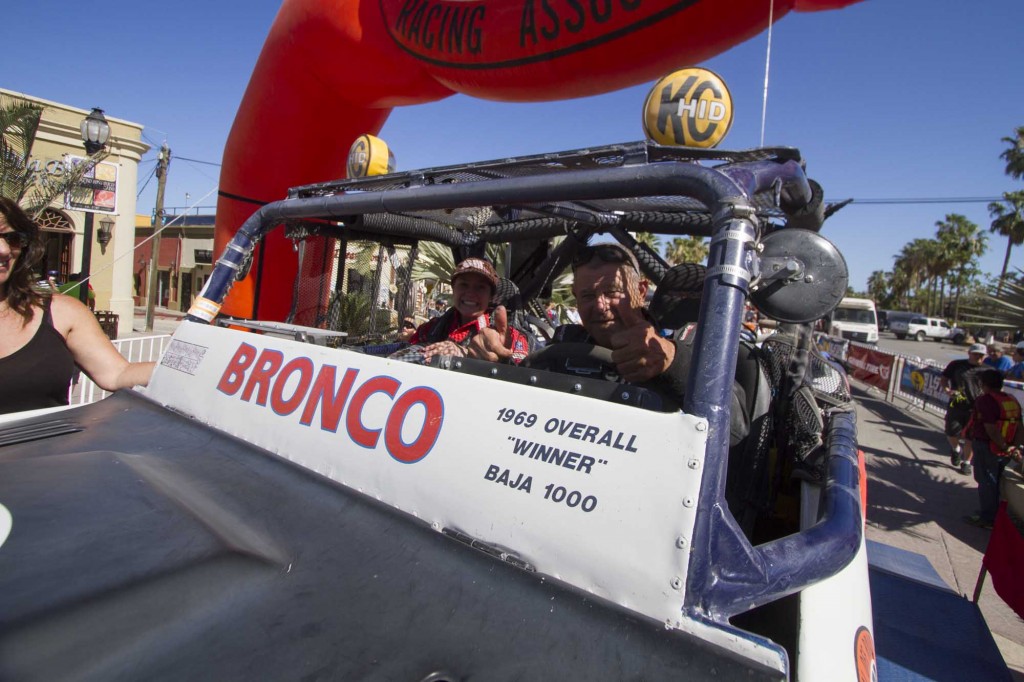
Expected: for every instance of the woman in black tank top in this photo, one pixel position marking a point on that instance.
(43, 338)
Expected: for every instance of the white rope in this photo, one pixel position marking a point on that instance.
(155, 233)
(767, 63)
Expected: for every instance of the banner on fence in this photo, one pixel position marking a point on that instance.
(923, 382)
(870, 366)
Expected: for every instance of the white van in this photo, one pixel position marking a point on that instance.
(855, 319)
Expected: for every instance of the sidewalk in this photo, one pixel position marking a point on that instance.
(165, 321)
(916, 501)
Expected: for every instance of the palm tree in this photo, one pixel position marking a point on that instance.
(649, 239)
(1008, 221)
(686, 250)
(961, 239)
(19, 179)
(878, 286)
(1014, 156)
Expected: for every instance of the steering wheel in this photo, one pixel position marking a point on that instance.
(588, 358)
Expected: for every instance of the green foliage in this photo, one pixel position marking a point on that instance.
(436, 262)
(19, 181)
(349, 312)
(686, 250)
(999, 309)
(1008, 221)
(1014, 154)
(650, 239)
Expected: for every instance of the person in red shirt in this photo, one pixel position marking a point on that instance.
(467, 329)
(993, 431)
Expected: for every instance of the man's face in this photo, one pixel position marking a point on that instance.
(995, 353)
(471, 295)
(975, 358)
(602, 292)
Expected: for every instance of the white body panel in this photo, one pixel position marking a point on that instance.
(435, 444)
(835, 614)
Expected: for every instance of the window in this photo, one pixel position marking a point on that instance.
(854, 315)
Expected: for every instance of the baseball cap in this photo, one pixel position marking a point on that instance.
(1020, 346)
(977, 348)
(478, 266)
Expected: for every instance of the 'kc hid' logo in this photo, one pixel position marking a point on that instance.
(688, 108)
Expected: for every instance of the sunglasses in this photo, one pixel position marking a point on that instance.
(606, 253)
(15, 240)
(408, 325)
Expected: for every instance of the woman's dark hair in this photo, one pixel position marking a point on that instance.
(20, 294)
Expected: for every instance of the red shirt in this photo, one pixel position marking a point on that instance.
(999, 409)
(461, 333)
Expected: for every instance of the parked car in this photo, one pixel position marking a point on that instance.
(921, 328)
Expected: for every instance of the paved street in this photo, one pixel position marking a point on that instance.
(916, 501)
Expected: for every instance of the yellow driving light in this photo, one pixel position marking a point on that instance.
(688, 108)
(368, 156)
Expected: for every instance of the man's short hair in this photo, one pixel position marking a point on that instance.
(992, 379)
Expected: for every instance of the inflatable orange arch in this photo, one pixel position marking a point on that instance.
(332, 70)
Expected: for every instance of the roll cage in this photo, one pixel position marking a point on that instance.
(735, 198)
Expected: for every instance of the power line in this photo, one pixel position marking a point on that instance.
(930, 200)
(148, 178)
(208, 163)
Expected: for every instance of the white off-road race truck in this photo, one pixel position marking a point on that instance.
(288, 500)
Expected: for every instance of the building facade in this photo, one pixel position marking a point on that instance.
(63, 226)
(185, 259)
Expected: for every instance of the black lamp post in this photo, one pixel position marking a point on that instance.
(105, 231)
(95, 133)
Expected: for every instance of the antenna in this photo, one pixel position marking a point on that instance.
(767, 63)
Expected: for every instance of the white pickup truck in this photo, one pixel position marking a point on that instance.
(922, 328)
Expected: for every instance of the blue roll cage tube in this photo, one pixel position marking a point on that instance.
(727, 575)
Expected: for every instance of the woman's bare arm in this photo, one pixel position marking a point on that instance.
(92, 350)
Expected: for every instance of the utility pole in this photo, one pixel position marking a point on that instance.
(162, 164)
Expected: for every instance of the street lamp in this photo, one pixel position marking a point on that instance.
(95, 133)
(104, 233)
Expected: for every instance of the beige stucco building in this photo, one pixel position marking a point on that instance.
(59, 135)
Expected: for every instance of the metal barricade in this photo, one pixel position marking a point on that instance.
(134, 349)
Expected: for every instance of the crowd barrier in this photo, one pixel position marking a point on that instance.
(134, 349)
(906, 378)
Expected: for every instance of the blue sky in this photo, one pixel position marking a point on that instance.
(901, 99)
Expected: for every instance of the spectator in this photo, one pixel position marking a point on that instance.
(437, 310)
(959, 381)
(551, 313)
(407, 329)
(44, 336)
(993, 430)
(997, 360)
(1016, 372)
